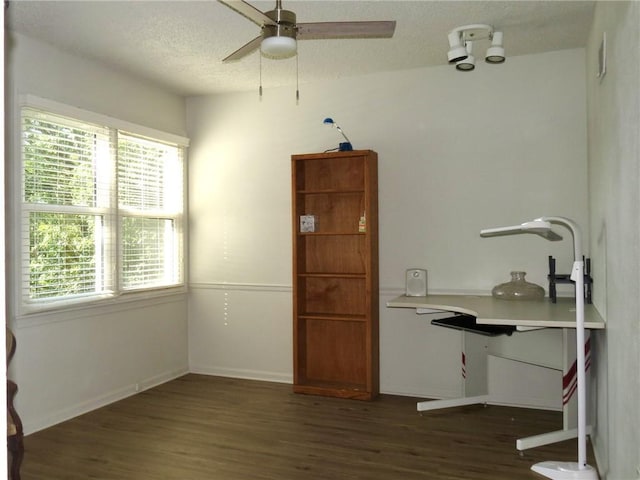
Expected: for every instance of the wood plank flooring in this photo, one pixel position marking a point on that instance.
(213, 428)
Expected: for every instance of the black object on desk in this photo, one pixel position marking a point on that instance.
(555, 278)
(468, 324)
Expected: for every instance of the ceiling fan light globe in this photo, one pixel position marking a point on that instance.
(279, 47)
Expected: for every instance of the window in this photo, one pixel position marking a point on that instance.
(102, 210)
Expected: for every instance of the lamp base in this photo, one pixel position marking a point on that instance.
(565, 471)
(345, 147)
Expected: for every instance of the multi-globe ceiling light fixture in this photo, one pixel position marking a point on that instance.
(461, 46)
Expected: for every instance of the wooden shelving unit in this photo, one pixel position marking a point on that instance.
(335, 274)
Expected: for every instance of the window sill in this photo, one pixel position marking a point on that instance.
(99, 306)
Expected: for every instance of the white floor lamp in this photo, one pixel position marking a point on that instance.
(542, 226)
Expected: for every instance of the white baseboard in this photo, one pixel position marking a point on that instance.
(262, 375)
(439, 394)
(512, 395)
(53, 418)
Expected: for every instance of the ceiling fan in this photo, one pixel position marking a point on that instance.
(280, 30)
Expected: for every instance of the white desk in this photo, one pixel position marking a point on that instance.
(490, 311)
(524, 315)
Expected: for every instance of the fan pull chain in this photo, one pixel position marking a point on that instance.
(260, 89)
(297, 83)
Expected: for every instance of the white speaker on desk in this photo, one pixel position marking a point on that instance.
(416, 282)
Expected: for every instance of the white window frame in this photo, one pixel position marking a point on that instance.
(113, 215)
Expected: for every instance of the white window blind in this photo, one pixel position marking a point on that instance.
(150, 202)
(62, 159)
(102, 210)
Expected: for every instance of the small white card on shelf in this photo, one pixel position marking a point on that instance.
(308, 223)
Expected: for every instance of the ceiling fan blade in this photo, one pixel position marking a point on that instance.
(319, 30)
(244, 50)
(248, 11)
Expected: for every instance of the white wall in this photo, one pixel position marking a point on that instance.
(38, 69)
(70, 362)
(614, 204)
(457, 152)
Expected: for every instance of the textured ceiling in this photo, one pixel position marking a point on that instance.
(180, 44)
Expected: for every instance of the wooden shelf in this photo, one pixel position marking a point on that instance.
(319, 234)
(330, 190)
(335, 275)
(333, 389)
(332, 317)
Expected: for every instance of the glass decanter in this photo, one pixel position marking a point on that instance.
(518, 289)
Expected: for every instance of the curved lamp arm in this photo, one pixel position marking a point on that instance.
(542, 226)
(575, 232)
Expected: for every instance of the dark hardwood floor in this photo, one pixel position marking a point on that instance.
(202, 427)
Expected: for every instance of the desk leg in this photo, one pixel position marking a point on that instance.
(473, 375)
(454, 402)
